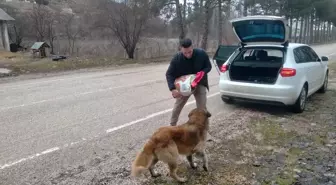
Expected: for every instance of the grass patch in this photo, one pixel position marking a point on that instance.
(9, 55)
(295, 151)
(47, 65)
(272, 132)
(23, 65)
(320, 140)
(285, 180)
(274, 135)
(292, 156)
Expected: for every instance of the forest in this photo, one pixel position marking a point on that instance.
(147, 28)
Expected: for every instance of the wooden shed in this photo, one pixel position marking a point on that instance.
(40, 49)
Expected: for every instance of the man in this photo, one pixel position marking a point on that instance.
(189, 61)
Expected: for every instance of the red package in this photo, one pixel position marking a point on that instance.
(197, 79)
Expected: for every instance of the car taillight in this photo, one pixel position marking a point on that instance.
(287, 72)
(224, 68)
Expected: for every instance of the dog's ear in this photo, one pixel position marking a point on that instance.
(208, 114)
(191, 113)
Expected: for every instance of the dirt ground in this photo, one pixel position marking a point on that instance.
(259, 145)
(263, 145)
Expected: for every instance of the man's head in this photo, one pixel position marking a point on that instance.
(186, 47)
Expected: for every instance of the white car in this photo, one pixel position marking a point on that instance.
(266, 68)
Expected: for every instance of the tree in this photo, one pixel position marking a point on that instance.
(220, 21)
(180, 14)
(72, 29)
(181, 21)
(208, 11)
(43, 24)
(245, 7)
(126, 21)
(41, 17)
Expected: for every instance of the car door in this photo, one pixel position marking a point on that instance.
(304, 66)
(315, 66)
(319, 70)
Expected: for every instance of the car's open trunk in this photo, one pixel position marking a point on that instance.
(254, 70)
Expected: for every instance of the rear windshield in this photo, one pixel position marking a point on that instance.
(259, 30)
(259, 54)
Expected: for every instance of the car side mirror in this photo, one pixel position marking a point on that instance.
(324, 58)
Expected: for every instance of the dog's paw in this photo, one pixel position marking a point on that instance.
(182, 180)
(193, 165)
(156, 175)
(206, 168)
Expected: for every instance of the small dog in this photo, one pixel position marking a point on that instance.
(168, 142)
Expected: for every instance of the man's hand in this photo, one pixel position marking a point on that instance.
(175, 93)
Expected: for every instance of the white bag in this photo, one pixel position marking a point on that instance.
(183, 84)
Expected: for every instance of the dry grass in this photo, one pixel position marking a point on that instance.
(46, 65)
(9, 55)
(23, 63)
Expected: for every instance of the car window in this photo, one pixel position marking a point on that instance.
(307, 54)
(299, 56)
(259, 54)
(224, 52)
(274, 52)
(313, 54)
(248, 53)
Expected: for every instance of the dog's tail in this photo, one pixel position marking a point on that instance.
(143, 159)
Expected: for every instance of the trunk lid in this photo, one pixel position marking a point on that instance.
(261, 29)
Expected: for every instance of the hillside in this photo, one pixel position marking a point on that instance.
(26, 6)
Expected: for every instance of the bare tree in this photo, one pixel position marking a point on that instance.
(43, 24)
(184, 10)
(72, 29)
(126, 21)
(180, 14)
(181, 21)
(245, 7)
(220, 21)
(40, 17)
(208, 11)
(51, 31)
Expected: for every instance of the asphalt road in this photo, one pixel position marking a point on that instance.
(74, 128)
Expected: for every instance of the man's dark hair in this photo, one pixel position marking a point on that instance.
(186, 43)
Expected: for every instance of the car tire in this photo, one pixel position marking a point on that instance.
(324, 87)
(228, 100)
(301, 101)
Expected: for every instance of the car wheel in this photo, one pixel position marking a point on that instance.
(228, 100)
(325, 85)
(301, 102)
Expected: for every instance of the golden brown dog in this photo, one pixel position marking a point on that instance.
(168, 142)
